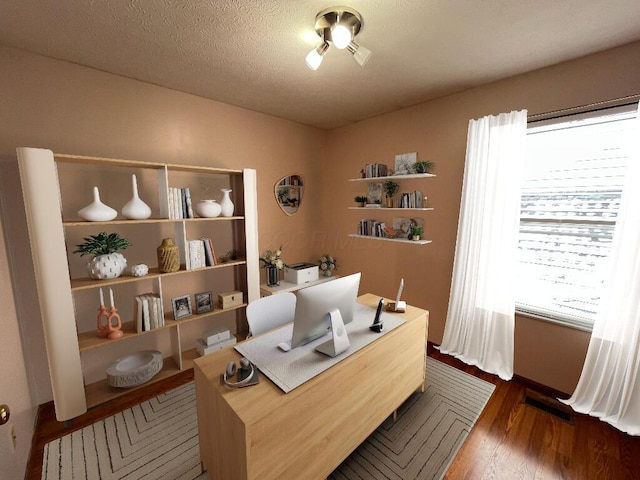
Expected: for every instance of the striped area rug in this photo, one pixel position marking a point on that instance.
(158, 439)
(430, 429)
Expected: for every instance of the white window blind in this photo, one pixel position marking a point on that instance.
(574, 173)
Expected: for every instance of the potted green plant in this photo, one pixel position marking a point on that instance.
(361, 200)
(390, 189)
(106, 262)
(416, 231)
(423, 166)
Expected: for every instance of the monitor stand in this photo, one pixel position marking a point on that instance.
(339, 340)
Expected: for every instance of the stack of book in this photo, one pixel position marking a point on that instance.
(372, 170)
(371, 227)
(411, 199)
(214, 340)
(201, 254)
(148, 312)
(180, 203)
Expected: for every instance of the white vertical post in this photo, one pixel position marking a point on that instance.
(251, 233)
(41, 194)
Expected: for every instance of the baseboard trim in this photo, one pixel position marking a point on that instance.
(526, 382)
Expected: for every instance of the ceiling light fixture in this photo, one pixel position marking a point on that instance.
(338, 26)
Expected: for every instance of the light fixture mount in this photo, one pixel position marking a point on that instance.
(330, 17)
(338, 26)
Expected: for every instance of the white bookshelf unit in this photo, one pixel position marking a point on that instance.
(68, 299)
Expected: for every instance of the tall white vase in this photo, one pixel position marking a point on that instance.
(226, 203)
(136, 209)
(97, 211)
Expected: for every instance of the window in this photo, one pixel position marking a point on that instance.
(573, 178)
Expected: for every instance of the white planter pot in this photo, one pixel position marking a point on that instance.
(102, 267)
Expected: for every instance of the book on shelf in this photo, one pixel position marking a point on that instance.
(372, 170)
(411, 199)
(197, 255)
(209, 252)
(180, 205)
(148, 312)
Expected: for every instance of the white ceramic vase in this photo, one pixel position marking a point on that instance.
(226, 203)
(208, 208)
(136, 209)
(97, 211)
(102, 267)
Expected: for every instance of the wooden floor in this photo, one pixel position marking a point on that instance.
(511, 440)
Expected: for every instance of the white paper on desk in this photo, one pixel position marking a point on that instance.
(289, 370)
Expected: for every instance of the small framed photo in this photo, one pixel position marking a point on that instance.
(181, 307)
(204, 302)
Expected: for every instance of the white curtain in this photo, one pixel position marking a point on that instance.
(609, 387)
(480, 321)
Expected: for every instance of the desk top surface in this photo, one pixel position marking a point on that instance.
(258, 400)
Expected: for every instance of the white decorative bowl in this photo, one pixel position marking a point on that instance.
(134, 369)
(208, 208)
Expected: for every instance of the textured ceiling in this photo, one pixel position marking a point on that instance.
(251, 53)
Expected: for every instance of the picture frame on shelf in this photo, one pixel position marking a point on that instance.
(204, 302)
(374, 193)
(404, 163)
(403, 225)
(181, 307)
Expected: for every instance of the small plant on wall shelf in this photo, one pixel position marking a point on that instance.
(416, 232)
(360, 200)
(423, 167)
(390, 189)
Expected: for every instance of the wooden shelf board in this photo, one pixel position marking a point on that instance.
(85, 282)
(66, 158)
(100, 392)
(397, 240)
(89, 340)
(393, 177)
(124, 221)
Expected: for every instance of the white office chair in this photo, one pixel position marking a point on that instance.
(270, 312)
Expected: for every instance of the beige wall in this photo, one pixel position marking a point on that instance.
(437, 130)
(72, 109)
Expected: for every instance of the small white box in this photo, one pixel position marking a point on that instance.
(215, 335)
(301, 273)
(207, 349)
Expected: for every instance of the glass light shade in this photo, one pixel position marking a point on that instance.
(313, 60)
(314, 57)
(360, 53)
(341, 36)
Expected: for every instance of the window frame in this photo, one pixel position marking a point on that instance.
(540, 313)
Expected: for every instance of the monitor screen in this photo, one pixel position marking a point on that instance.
(314, 303)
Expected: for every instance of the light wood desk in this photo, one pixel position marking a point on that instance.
(259, 432)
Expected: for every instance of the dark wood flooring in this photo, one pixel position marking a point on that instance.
(511, 439)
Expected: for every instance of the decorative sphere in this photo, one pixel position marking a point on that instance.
(139, 270)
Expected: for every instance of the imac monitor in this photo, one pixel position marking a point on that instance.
(314, 303)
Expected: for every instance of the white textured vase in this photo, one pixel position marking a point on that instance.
(226, 203)
(97, 211)
(136, 209)
(102, 267)
(208, 208)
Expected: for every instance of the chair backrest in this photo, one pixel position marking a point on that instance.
(270, 312)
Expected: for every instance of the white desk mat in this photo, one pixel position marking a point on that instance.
(291, 369)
